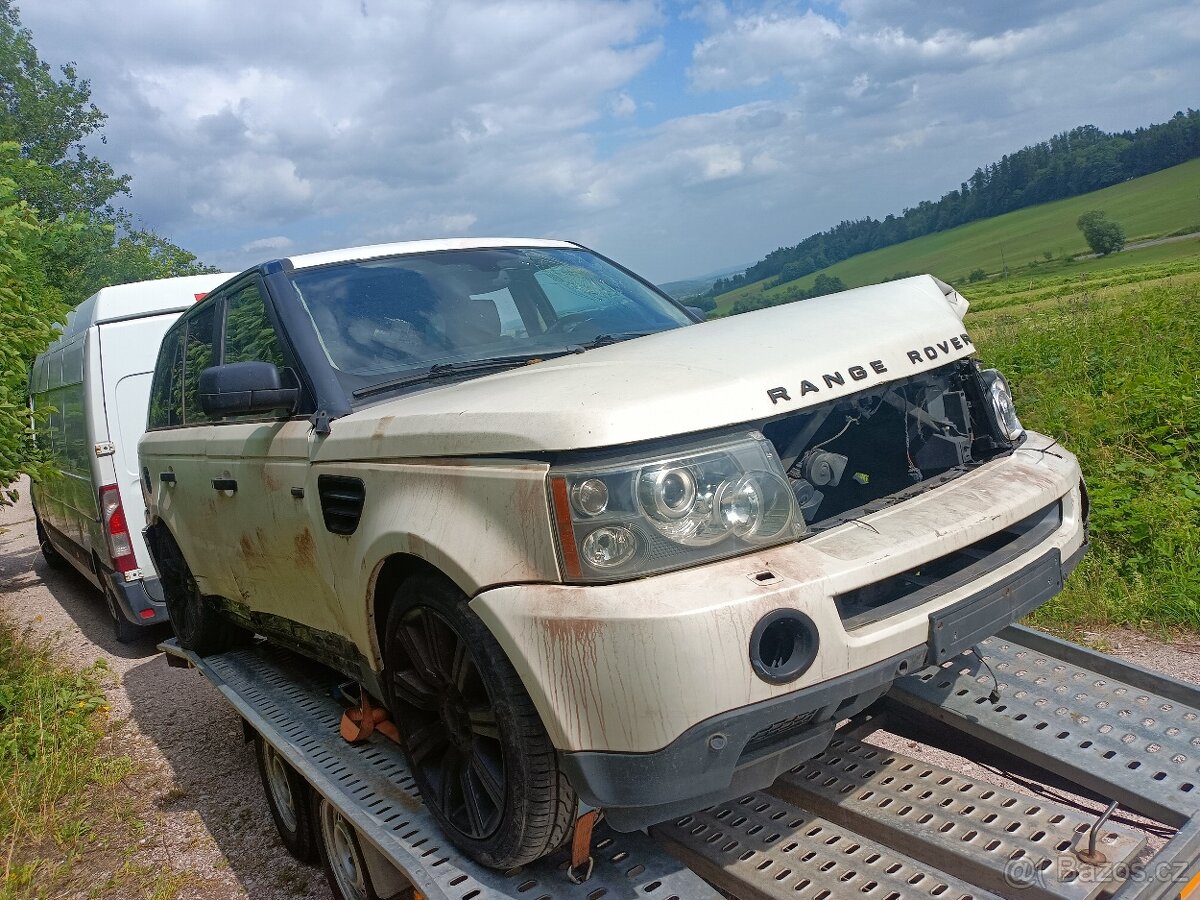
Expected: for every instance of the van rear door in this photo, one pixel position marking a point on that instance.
(129, 349)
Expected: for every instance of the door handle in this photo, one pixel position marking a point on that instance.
(224, 484)
(167, 477)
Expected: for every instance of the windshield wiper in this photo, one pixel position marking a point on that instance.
(603, 340)
(445, 370)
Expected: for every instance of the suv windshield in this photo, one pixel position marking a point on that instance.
(379, 317)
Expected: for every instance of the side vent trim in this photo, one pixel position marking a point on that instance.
(342, 499)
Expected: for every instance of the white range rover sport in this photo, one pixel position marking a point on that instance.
(589, 551)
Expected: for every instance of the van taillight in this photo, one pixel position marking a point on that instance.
(120, 545)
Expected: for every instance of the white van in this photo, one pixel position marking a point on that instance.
(95, 383)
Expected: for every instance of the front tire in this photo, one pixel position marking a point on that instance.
(54, 559)
(475, 743)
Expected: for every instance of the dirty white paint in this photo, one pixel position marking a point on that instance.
(630, 667)
(675, 382)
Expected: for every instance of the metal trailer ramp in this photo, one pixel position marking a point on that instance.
(1106, 726)
(773, 850)
(291, 702)
(856, 821)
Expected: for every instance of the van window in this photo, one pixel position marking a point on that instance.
(72, 449)
(166, 393)
(197, 356)
(248, 332)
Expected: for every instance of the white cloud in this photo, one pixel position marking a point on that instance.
(623, 105)
(276, 244)
(351, 122)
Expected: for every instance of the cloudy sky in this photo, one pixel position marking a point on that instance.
(678, 137)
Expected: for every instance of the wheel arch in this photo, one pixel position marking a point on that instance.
(389, 574)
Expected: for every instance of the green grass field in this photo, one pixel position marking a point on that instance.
(67, 826)
(1167, 202)
(1110, 365)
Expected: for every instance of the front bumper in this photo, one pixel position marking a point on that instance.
(140, 601)
(747, 749)
(632, 668)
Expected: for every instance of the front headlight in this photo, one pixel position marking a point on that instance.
(1004, 412)
(631, 518)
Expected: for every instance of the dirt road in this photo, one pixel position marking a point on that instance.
(204, 806)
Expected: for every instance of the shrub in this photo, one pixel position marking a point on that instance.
(1103, 236)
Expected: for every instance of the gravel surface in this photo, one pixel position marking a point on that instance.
(204, 804)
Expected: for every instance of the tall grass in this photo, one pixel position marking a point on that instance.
(55, 783)
(1117, 380)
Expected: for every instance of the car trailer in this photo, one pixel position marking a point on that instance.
(1098, 743)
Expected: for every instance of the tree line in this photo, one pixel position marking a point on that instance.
(63, 234)
(1075, 162)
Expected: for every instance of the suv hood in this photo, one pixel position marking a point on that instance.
(739, 369)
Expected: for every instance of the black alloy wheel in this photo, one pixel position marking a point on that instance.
(451, 732)
(199, 623)
(475, 743)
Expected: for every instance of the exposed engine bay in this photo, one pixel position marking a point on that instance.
(861, 453)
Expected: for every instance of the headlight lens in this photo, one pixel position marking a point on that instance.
(706, 502)
(1004, 411)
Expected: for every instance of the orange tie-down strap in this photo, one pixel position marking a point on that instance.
(1191, 890)
(360, 722)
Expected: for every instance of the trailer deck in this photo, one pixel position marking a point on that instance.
(856, 821)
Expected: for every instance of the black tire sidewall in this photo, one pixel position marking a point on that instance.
(503, 847)
(198, 623)
(53, 558)
(301, 842)
(126, 632)
(323, 852)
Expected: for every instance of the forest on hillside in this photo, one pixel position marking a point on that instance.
(1075, 162)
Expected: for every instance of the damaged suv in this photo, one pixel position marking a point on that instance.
(589, 551)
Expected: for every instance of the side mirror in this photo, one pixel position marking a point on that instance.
(244, 387)
(696, 311)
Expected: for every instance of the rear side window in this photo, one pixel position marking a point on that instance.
(197, 356)
(248, 332)
(166, 393)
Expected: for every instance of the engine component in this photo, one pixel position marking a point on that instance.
(823, 468)
(943, 451)
(808, 498)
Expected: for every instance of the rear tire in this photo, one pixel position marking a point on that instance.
(198, 621)
(289, 798)
(123, 630)
(54, 559)
(475, 743)
(341, 853)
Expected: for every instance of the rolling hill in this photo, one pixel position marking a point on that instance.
(1163, 203)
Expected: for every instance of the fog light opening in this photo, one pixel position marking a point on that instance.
(783, 646)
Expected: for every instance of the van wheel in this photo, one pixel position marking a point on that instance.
(475, 743)
(123, 630)
(54, 559)
(198, 622)
(290, 800)
(345, 865)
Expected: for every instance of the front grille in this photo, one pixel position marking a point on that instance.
(939, 576)
(777, 731)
